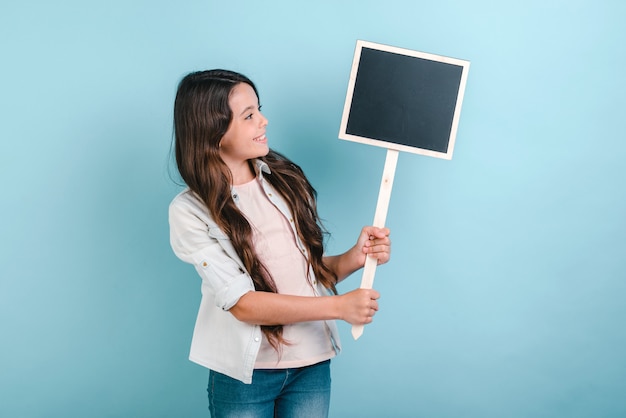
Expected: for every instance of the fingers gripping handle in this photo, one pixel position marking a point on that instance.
(384, 194)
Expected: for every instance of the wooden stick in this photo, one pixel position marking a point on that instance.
(384, 194)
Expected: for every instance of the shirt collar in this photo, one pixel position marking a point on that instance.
(261, 167)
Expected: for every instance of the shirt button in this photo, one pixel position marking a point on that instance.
(256, 339)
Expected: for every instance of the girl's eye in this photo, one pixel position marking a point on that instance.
(250, 115)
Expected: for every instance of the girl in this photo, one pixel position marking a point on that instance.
(248, 223)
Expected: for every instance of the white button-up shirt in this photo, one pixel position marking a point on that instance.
(220, 341)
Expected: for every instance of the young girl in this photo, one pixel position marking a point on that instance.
(248, 223)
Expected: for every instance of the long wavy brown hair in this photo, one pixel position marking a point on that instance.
(202, 116)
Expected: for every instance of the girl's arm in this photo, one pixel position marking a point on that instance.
(372, 242)
(264, 308)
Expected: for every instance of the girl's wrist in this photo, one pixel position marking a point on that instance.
(336, 306)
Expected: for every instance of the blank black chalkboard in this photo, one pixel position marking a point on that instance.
(404, 100)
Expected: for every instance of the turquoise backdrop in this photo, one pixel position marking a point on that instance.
(506, 293)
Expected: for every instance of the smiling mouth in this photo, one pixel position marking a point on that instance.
(261, 138)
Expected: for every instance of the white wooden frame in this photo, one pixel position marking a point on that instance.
(392, 145)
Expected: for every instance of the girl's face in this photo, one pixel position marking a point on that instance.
(245, 138)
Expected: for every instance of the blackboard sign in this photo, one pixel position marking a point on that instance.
(404, 100)
(401, 100)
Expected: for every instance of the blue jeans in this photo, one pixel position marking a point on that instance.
(302, 393)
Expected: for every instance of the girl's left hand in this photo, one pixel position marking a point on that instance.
(374, 242)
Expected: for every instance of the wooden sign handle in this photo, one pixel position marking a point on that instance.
(384, 194)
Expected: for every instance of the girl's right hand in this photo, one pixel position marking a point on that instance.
(359, 306)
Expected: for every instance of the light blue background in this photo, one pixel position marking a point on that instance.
(506, 294)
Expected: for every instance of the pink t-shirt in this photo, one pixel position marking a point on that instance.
(276, 247)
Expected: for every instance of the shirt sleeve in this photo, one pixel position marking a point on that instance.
(201, 244)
